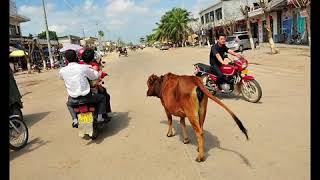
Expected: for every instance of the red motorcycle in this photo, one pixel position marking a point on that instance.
(236, 76)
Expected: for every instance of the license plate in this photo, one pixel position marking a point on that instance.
(85, 117)
(246, 71)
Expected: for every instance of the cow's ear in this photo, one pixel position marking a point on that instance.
(152, 79)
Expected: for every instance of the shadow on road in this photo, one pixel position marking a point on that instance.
(229, 96)
(31, 146)
(119, 121)
(31, 119)
(234, 97)
(211, 141)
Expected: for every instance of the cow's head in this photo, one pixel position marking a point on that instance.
(154, 85)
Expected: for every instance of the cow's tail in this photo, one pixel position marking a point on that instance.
(199, 84)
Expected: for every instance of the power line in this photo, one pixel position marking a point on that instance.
(87, 29)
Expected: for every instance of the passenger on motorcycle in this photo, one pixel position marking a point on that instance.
(87, 57)
(76, 77)
(217, 55)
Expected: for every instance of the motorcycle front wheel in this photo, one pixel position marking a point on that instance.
(18, 134)
(251, 91)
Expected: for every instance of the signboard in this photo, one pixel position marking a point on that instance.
(303, 13)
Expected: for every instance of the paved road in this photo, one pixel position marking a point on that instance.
(135, 146)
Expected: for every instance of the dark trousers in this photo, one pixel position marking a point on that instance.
(216, 71)
(98, 99)
(107, 96)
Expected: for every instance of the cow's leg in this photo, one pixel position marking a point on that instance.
(184, 130)
(203, 111)
(169, 116)
(194, 120)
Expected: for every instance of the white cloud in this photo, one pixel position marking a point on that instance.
(88, 5)
(59, 29)
(123, 7)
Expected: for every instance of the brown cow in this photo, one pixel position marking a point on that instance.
(186, 96)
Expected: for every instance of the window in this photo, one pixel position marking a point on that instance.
(243, 37)
(18, 30)
(212, 16)
(219, 14)
(230, 38)
(207, 17)
(12, 30)
(202, 21)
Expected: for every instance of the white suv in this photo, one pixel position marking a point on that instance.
(240, 41)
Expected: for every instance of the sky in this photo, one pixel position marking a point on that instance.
(125, 19)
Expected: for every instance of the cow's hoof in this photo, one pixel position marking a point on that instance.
(200, 159)
(186, 141)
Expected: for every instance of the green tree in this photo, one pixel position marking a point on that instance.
(52, 35)
(101, 33)
(30, 35)
(150, 39)
(173, 26)
(120, 42)
(142, 40)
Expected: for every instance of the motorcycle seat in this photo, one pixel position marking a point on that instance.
(204, 67)
(81, 102)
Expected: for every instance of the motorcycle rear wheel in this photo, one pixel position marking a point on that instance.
(22, 130)
(16, 110)
(249, 88)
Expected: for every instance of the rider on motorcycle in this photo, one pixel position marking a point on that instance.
(86, 58)
(217, 57)
(76, 77)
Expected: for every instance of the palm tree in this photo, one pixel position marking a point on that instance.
(173, 26)
(101, 33)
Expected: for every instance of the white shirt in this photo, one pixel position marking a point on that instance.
(76, 77)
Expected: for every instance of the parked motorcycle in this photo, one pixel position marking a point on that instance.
(18, 133)
(15, 103)
(236, 76)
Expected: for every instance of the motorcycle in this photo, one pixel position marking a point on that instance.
(87, 116)
(236, 76)
(15, 102)
(18, 133)
(123, 52)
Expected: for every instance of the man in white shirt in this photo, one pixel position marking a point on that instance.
(76, 78)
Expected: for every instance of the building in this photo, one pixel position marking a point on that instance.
(15, 36)
(223, 16)
(285, 19)
(69, 39)
(89, 42)
(15, 21)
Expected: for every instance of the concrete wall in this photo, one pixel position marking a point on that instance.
(64, 41)
(231, 10)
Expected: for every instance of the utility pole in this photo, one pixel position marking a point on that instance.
(98, 38)
(84, 35)
(47, 32)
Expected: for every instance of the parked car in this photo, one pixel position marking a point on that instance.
(164, 47)
(240, 41)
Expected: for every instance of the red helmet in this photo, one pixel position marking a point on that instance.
(80, 53)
